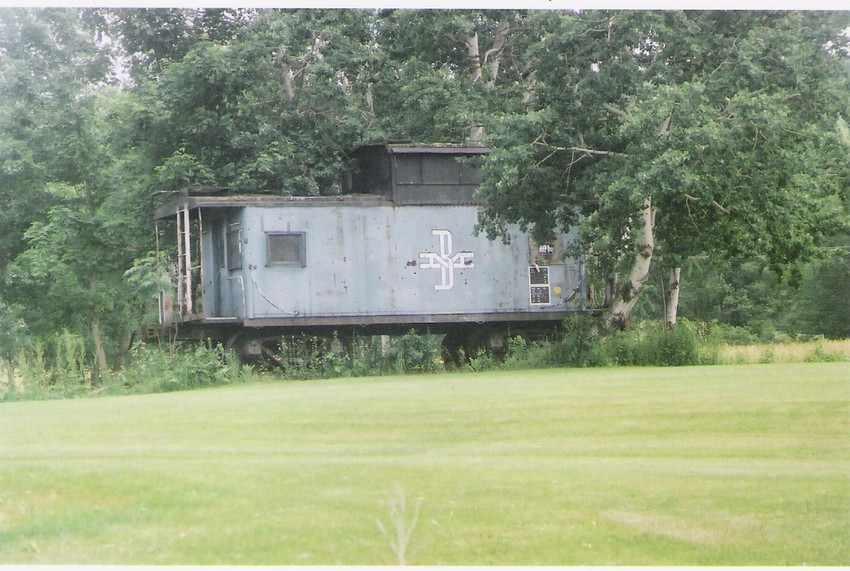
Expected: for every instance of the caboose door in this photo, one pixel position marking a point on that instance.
(223, 283)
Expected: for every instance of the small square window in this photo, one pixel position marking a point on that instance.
(287, 249)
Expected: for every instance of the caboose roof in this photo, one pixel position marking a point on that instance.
(437, 149)
(192, 198)
(224, 197)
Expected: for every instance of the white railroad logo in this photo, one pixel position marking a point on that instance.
(445, 261)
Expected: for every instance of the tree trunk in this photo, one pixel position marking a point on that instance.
(672, 309)
(476, 132)
(620, 313)
(285, 75)
(99, 350)
(492, 59)
(474, 55)
(123, 349)
(10, 374)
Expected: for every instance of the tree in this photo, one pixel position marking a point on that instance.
(45, 60)
(445, 72)
(274, 107)
(154, 38)
(12, 338)
(823, 306)
(672, 135)
(65, 261)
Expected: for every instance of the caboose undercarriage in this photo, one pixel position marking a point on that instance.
(272, 341)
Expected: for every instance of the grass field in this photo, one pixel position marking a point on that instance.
(723, 465)
(791, 352)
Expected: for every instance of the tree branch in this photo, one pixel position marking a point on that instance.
(614, 110)
(714, 203)
(719, 207)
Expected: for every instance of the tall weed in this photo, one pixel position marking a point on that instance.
(364, 356)
(415, 353)
(821, 355)
(522, 354)
(71, 368)
(155, 369)
(59, 369)
(577, 345)
(650, 344)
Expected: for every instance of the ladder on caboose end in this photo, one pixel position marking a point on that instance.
(185, 269)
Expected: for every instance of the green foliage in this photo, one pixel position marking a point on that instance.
(823, 304)
(155, 38)
(653, 345)
(576, 345)
(649, 344)
(700, 122)
(13, 337)
(523, 355)
(62, 370)
(729, 334)
(415, 353)
(362, 356)
(58, 369)
(480, 361)
(70, 363)
(31, 367)
(820, 355)
(153, 369)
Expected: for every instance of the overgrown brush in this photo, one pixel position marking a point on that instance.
(58, 369)
(155, 369)
(652, 344)
(821, 355)
(575, 345)
(415, 353)
(364, 356)
(62, 370)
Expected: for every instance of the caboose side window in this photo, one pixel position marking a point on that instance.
(287, 249)
(218, 247)
(408, 169)
(234, 249)
(434, 170)
(440, 170)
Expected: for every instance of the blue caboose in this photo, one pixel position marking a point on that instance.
(395, 250)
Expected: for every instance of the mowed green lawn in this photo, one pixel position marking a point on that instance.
(723, 465)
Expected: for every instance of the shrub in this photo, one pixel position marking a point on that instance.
(361, 356)
(650, 344)
(524, 355)
(675, 347)
(415, 353)
(725, 333)
(482, 360)
(58, 369)
(152, 369)
(32, 366)
(70, 367)
(575, 345)
(820, 355)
